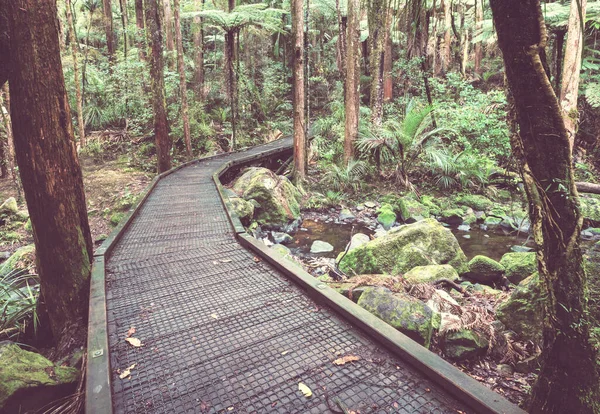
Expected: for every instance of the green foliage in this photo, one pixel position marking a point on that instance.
(463, 170)
(18, 300)
(346, 178)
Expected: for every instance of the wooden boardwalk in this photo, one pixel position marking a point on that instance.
(224, 332)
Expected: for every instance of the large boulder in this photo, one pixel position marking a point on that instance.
(20, 370)
(476, 202)
(522, 312)
(518, 266)
(464, 344)
(21, 261)
(278, 199)
(409, 315)
(9, 207)
(423, 243)
(484, 270)
(244, 209)
(431, 273)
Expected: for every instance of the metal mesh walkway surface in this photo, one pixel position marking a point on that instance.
(225, 332)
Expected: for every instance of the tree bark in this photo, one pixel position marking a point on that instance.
(298, 98)
(199, 56)
(10, 142)
(75, 51)
(569, 380)
(559, 44)
(478, 45)
(377, 16)
(388, 65)
(588, 188)
(182, 84)
(572, 68)
(108, 29)
(139, 14)
(168, 27)
(48, 165)
(139, 22)
(446, 55)
(341, 42)
(124, 23)
(157, 69)
(352, 83)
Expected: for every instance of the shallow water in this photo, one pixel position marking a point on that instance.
(493, 244)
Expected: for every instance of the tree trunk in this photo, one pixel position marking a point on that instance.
(446, 54)
(341, 42)
(377, 16)
(478, 45)
(108, 29)
(572, 68)
(124, 23)
(139, 22)
(352, 84)
(182, 85)
(139, 14)
(75, 51)
(298, 98)
(569, 381)
(48, 165)
(4, 155)
(10, 141)
(168, 27)
(388, 65)
(157, 69)
(199, 55)
(588, 188)
(559, 45)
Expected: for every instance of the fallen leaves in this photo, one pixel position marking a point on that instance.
(130, 332)
(305, 390)
(257, 259)
(214, 316)
(346, 359)
(127, 372)
(135, 342)
(222, 261)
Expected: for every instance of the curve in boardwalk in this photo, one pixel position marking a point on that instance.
(223, 331)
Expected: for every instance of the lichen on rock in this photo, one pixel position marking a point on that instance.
(518, 266)
(430, 273)
(484, 270)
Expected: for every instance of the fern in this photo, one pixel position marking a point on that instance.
(592, 94)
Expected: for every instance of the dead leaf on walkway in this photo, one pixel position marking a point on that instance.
(134, 342)
(214, 316)
(127, 372)
(257, 259)
(346, 359)
(131, 331)
(305, 390)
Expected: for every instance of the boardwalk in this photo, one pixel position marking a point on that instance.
(224, 332)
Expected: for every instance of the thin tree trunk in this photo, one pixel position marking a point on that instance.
(464, 42)
(139, 14)
(108, 29)
(85, 57)
(559, 44)
(10, 142)
(157, 70)
(572, 67)
(4, 155)
(75, 51)
(48, 165)
(377, 16)
(124, 23)
(569, 379)
(139, 22)
(182, 84)
(199, 55)
(341, 42)
(478, 46)
(446, 55)
(168, 27)
(352, 84)
(298, 100)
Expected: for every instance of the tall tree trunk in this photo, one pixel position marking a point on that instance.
(463, 54)
(157, 71)
(478, 45)
(352, 84)
(446, 54)
(341, 42)
(572, 67)
(377, 16)
(139, 14)
(10, 142)
(4, 153)
(182, 84)
(559, 44)
(168, 27)
(298, 99)
(75, 51)
(199, 55)
(141, 35)
(48, 165)
(231, 76)
(569, 380)
(108, 29)
(124, 23)
(388, 65)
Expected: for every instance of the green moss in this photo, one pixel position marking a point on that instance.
(464, 344)
(523, 310)
(244, 209)
(9, 206)
(470, 218)
(21, 260)
(485, 270)
(429, 203)
(9, 237)
(518, 266)
(415, 209)
(452, 216)
(20, 369)
(431, 273)
(28, 226)
(386, 216)
(397, 205)
(116, 218)
(476, 202)
(405, 313)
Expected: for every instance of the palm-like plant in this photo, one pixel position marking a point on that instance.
(18, 300)
(346, 177)
(401, 142)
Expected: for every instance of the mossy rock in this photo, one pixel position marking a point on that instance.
(244, 209)
(431, 273)
(464, 344)
(523, 310)
(9, 207)
(278, 198)
(415, 210)
(423, 243)
(22, 260)
(28, 226)
(518, 266)
(373, 281)
(452, 216)
(386, 216)
(470, 218)
(397, 203)
(484, 270)
(492, 222)
(409, 315)
(116, 218)
(429, 203)
(20, 370)
(476, 202)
